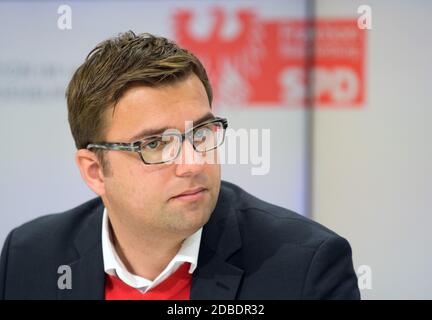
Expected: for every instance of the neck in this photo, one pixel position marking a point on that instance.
(144, 254)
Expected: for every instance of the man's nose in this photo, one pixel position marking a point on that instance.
(189, 162)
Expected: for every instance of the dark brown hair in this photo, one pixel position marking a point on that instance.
(112, 67)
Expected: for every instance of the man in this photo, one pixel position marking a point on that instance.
(164, 225)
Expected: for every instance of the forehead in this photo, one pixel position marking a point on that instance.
(144, 108)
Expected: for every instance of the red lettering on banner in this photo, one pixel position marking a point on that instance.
(269, 63)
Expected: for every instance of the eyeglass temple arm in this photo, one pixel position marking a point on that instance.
(114, 146)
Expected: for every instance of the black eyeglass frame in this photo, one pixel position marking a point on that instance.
(136, 146)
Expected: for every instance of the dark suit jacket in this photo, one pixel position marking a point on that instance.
(250, 249)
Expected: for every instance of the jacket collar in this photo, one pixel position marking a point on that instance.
(88, 277)
(216, 276)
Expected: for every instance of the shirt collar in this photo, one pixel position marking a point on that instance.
(114, 266)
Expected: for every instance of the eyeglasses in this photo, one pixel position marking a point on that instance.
(164, 148)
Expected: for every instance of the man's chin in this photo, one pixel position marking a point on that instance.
(190, 219)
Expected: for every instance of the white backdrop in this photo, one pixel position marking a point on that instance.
(373, 166)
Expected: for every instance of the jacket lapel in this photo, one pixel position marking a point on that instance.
(88, 276)
(216, 277)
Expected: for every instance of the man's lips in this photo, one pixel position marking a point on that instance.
(190, 194)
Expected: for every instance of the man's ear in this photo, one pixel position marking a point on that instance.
(91, 170)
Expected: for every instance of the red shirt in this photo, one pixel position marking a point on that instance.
(176, 287)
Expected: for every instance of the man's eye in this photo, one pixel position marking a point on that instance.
(152, 145)
(201, 133)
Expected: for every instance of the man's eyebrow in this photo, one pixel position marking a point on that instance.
(157, 131)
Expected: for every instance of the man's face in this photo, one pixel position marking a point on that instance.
(144, 196)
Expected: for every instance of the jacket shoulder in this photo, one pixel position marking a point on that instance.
(34, 251)
(55, 228)
(269, 221)
(287, 256)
